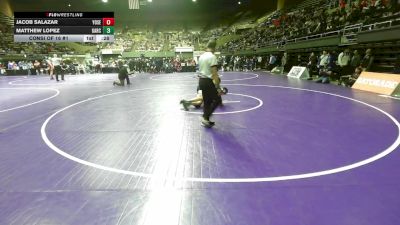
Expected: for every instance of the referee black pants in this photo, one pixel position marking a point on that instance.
(210, 97)
(58, 70)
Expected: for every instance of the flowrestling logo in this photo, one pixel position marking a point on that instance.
(382, 83)
(378, 82)
(64, 14)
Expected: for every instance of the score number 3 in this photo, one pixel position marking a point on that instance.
(108, 30)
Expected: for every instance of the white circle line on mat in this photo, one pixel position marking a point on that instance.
(364, 162)
(195, 78)
(32, 103)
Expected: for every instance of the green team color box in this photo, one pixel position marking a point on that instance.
(108, 30)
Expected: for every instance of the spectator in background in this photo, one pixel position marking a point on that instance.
(279, 65)
(56, 62)
(236, 63)
(284, 61)
(333, 64)
(362, 4)
(355, 60)
(97, 67)
(367, 61)
(323, 60)
(266, 61)
(50, 68)
(312, 65)
(329, 70)
(259, 62)
(342, 5)
(272, 62)
(10, 65)
(254, 63)
(44, 67)
(349, 80)
(36, 67)
(299, 61)
(64, 67)
(344, 62)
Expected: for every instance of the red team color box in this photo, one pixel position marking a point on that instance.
(108, 21)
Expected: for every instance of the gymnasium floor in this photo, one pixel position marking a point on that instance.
(282, 152)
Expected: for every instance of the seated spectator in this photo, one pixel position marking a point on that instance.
(355, 60)
(323, 60)
(329, 70)
(367, 61)
(324, 74)
(349, 80)
(299, 61)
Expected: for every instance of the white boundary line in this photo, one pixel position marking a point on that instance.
(227, 101)
(16, 80)
(32, 103)
(186, 80)
(74, 81)
(29, 79)
(388, 96)
(364, 162)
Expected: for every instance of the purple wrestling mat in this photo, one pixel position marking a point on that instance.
(283, 151)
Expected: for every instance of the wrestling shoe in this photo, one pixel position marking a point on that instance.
(207, 123)
(185, 105)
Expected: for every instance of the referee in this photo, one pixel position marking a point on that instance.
(208, 72)
(123, 74)
(56, 62)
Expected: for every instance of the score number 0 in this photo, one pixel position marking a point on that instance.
(108, 21)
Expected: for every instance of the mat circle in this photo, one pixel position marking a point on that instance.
(382, 154)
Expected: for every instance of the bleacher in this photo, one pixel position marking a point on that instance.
(6, 20)
(308, 4)
(246, 36)
(385, 47)
(385, 54)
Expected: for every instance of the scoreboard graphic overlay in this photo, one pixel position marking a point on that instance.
(91, 27)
